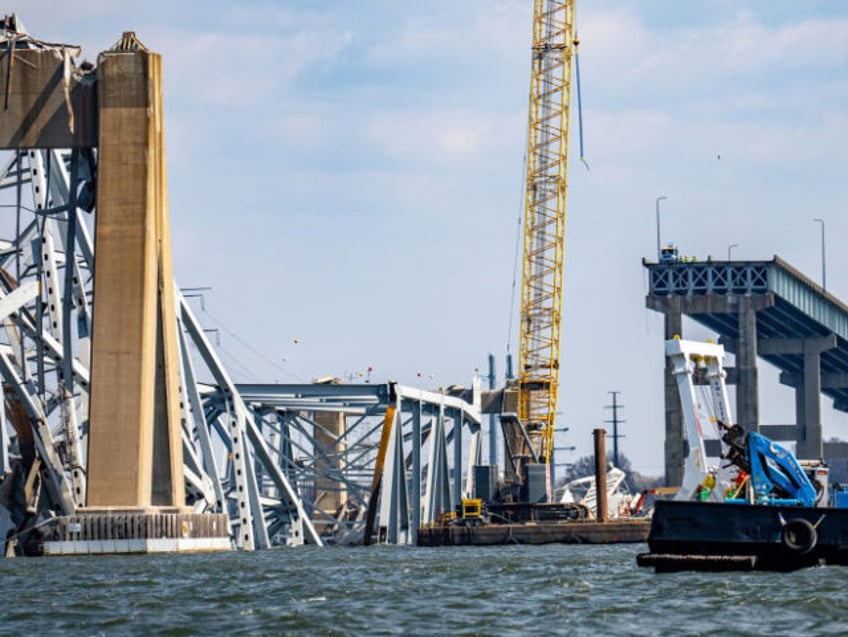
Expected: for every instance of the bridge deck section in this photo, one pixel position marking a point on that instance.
(794, 307)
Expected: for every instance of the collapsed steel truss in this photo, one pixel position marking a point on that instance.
(256, 452)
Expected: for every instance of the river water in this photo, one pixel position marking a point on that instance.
(508, 590)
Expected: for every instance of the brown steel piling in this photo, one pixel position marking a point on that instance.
(602, 512)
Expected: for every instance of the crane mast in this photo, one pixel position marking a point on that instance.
(554, 45)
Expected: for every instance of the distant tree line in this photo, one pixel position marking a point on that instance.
(635, 481)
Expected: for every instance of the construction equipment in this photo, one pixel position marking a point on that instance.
(530, 437)
(773, 516)
(669, 254)
(770, 474)
(686, 358)
(776, 476)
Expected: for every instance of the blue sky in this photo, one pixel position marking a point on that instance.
(348, 174)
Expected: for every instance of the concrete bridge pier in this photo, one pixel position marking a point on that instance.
(808, 386)
(135, 484)
(747, 394)
(673, 447)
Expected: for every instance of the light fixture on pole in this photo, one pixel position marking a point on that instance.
(659, 245)
(730, 248)
(824, 268)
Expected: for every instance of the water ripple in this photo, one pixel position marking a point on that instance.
(511, 590)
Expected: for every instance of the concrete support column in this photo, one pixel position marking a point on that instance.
(808, 387)
(135, 434)
(747, 401)
(329, 492)
(800, 418)
(808, 398)
(673, 413)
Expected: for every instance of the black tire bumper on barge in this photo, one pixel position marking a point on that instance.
(713, 536)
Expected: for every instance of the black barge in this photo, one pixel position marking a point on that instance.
(716, 536)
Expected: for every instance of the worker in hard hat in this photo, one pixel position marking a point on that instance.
(702, 493)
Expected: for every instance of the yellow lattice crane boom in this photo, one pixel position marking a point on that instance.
(554, 47)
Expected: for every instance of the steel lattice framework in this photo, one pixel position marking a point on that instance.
(255, 452)
(544, 224)
(263, 455)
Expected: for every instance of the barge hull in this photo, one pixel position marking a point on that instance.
(613, 532)
(721, 536)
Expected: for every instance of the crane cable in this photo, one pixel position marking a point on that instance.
(518, 234)
(579, 100)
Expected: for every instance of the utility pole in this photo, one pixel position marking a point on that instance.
(615, 422)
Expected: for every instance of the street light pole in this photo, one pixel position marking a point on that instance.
(729, 248)
(824, 269)
(659, 246)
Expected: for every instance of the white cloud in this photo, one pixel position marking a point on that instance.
(436, 136)
(620, 44)
(458, 35)
(747, 46)
(236, 70)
